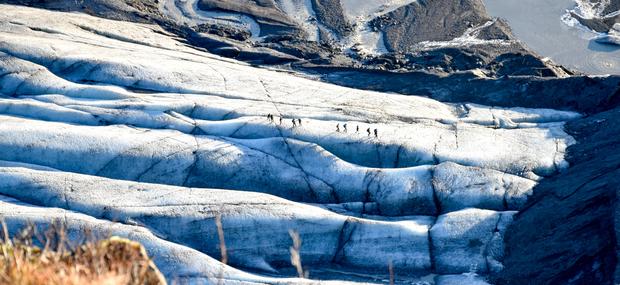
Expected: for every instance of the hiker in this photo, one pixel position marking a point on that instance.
(299, 122)
(368, 131)
(280, 120)
(357, 129)
(376, 133)
(294, 123)
(345, 128)
(338, 128)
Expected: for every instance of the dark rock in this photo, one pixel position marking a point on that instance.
(567, 234)
(231, 52)
(305, 50)
(330, 14)
(612, 37)
(438, 20)
(601, 25)
(499, 30)
(262, 56)
(207, 41)
(520, 64)
(224, 31)
(602, 22)
(288, 43)
(510, 91)
(610, 5)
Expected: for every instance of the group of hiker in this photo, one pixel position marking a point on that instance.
(297, 122)
(357, 130)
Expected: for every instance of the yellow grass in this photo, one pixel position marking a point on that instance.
(106, 262)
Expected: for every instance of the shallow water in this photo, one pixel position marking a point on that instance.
(538, 23)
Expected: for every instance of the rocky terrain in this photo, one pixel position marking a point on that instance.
(377, 35)
(600, 16)
(186, 115)
(574, 214)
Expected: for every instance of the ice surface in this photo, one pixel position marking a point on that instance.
(256, 225)
(175, 261)
(458, 187)
(115, 121)
(289, 168)
(464, 239)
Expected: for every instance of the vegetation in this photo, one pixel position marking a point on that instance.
(109, 261)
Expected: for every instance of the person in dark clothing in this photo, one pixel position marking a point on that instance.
(294, 123)
(299, 122)
(368, 131)
(280, 120)
(345, 128)
(376, 133)
(338, 128)
(357, 129)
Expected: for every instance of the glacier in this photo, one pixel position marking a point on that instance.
(122, 128)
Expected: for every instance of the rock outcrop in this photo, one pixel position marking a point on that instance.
(442, 20)
(325, 33)
(598, 15)
(567, 233)
(612, 36)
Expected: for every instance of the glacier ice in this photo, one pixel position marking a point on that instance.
(120, 127)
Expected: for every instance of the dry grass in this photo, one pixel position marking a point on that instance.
(296, 254)
(110, 261)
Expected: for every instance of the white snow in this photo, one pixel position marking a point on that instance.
(593, 9)
(367, 10)
(302, 13)
(187, 12)
(469, 38)
(360, 13)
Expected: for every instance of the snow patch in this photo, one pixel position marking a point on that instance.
(187, 12)
(302, 13)
(469, 38)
